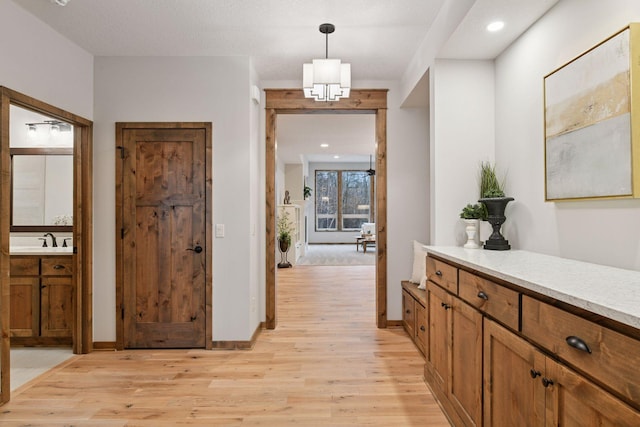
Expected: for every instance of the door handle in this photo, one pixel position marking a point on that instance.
(197, 249)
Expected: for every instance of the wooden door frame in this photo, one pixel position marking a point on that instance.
(82, 226)
(120, 228)
(292, 101)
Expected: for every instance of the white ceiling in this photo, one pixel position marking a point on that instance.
(378, 37)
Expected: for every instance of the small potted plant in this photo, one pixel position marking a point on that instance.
(471, 214)
(306, 192)
(284, 237)
(494, 201)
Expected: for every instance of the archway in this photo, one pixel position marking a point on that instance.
(361, 101)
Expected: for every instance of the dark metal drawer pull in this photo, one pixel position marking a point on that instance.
(408, 311)
(578, 344)
(422, 328)
(438, 273)
(534, 373)
(58, 267)
(446, 306)
(546, 382)
(483, 296)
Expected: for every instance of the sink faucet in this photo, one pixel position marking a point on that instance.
(54, 242)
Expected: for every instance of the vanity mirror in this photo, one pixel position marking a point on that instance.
(41, 172)
(41, 189)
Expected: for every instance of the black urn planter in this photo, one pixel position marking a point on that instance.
(283, 245)
(495, 216)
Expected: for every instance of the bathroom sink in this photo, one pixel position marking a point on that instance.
(39, 250)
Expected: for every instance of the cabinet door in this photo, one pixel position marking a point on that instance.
(573, 401)
(513, 391)
(438, 312)
(465, 381)
(421, 327)
(24, 301)
(408, 313)
(56, 308)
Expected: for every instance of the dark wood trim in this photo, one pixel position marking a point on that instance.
(82, 228)
(394, 323)
(5, 290)
(42, 341)
(43, 151)
(104, 345)
(361, 101)
(239, 345)
(119, 143)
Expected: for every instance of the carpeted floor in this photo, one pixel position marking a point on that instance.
(344, 254)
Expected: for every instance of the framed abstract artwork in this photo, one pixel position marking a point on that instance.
(592, 149)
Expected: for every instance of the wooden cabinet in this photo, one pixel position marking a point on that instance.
(41, 300)
(500, 356)
(455, 354)
(541, 391)
(414, 314)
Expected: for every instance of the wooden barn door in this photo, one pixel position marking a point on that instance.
(164, 244)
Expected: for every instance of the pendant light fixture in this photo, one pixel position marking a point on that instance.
(326, 79)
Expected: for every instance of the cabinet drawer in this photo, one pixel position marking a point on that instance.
(497, 301)
(421, 327)
(443, 274)
(408, 313)
(57, 266)
(609, 357)
(24, 266)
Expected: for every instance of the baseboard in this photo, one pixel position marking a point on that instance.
(104, 345)
(394, 323)
(239, 345)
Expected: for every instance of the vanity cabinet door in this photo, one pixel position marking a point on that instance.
(23, 319)
(56, 317)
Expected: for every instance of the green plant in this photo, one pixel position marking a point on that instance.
(285, 227)
(490, 185)
(472, 211)
(307, 192)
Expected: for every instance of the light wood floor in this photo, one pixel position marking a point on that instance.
(326, 364)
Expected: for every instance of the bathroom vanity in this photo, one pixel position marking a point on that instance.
(42, 296)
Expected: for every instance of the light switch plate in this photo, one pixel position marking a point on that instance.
(219, 230)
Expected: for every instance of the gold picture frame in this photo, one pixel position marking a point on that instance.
(592, 143)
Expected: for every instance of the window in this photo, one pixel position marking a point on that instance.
(343, 200)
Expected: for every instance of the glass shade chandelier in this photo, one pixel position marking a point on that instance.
(326, 79)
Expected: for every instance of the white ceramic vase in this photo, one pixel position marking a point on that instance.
(471, 228)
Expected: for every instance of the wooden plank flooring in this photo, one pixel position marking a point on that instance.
(325, 365)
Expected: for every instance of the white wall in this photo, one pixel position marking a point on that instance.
(603, 232)
(39, 62)
(172, 89)
(462, 133)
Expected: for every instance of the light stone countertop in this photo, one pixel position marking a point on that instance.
(36, 250)
(608, 291)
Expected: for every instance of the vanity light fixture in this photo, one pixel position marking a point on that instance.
(336, 157)
(60, 2)
(326, 79)
(324, 145)
(495, 26)
(55, 126)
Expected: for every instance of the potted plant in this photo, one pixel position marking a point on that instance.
(284, 237)
(306, 192)
(471, 214)
(494, 201)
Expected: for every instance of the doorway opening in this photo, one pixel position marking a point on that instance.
(64, 283)
(292, 101)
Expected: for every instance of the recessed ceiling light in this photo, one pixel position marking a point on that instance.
(325, 145)
(495, 26)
